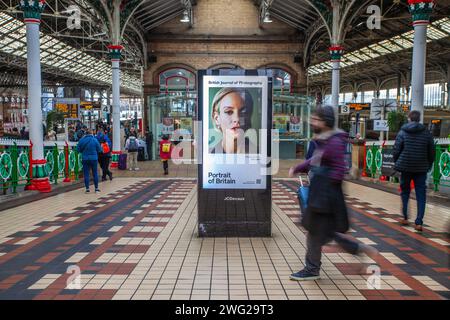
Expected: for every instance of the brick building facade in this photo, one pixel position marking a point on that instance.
(224, 35)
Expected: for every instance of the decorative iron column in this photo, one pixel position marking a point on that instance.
(336, 52)
(420, 11)
(115, 52)
(32, 10)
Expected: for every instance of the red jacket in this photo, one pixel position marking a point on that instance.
(164, 155)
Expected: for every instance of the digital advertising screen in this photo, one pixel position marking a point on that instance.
(234, 124)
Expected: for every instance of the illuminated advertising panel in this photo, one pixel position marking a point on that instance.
(234, 112)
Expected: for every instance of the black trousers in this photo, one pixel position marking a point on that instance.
(166, 165)
(104, 164)
(314, 243)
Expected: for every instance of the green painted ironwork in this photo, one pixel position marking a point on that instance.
(421, 10)
(5, 166)
(440, 173)
(32, 9)
(50, 162)
(56, 163)
(72, 160)
(371, 161)
(379, 159)
(14, 167)
(80, 161)
(61, 162)
(441, 168)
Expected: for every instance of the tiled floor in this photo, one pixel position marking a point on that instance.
(138, 241)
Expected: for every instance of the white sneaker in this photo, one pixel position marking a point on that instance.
(130, 169)
(137, 169)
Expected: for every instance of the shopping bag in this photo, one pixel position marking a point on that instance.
(302, 194)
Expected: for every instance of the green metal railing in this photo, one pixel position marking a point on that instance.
(374, 158)
(14, 167)
(440, 175)
(64, 163)
(441, 167)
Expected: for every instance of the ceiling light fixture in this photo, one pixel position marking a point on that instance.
(185, 18)
(267, 18)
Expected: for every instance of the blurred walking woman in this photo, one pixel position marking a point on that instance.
(326, 217)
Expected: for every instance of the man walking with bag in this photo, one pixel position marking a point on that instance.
(414, 154)
(104, 157)
(326, 217)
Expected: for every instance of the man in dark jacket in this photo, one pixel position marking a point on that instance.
(104, 157)
(326, 216)
(414, 156)
(89, 147)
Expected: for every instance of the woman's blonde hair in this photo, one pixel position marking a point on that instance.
(245, 95)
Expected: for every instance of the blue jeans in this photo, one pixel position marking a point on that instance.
(421, 193)
(90, 165)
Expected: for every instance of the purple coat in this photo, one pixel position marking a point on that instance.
(332, 146)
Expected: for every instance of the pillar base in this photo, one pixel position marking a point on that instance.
(40, 184)
(115, 159)
(39, 180)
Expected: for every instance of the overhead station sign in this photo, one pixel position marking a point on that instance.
(382, 106)
(70, 107)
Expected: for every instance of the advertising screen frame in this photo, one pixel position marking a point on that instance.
(231, 212)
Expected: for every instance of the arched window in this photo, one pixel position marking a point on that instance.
(281, 80)
(176, 80)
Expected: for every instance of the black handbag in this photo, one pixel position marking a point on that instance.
(320, 199)
(326, 211)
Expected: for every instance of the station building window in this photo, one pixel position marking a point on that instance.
(176, 80)
(172, 111)
(281, 81)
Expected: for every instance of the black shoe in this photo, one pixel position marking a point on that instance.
(303, 275)
(97, 190)
(103, 178)
(110, 177)
(87, 191)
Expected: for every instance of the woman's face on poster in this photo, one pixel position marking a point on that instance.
(232, 116)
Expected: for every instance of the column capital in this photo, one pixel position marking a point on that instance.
(336, 52)
(115, 52)
(420, 11)
(32, 10)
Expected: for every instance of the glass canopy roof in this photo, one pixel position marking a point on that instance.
(57, 54)
(437, 30)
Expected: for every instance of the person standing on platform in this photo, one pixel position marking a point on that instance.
(165, 150)
(81, 132)
(132, 146)
(414, 154)
(104, 157)
(326, 216)
(89, 147)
